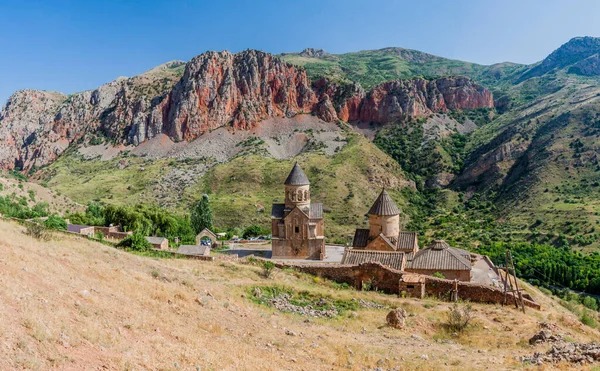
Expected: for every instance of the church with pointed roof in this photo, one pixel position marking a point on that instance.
(297, 224)
(384, 229)
(385, 243)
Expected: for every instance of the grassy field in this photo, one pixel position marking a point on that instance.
(72, 304)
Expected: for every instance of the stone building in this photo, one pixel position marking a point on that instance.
(384, 235)
(297, 224)
(384, 230)
(160, 243)
(441, 258)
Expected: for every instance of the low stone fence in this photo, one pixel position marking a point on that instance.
(230, 258)
(379, 277)
(475, 292)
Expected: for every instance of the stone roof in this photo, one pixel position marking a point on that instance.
(407, 241)
(440, 256)
(277, 211)
(384, 205)
(315, 211)
(361, 238)
(392, 259)
(193, 249)
(297, 176)
(155, 240)
(76, 227)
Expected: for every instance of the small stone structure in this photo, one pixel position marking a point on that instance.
(412, 285)
(85, 230)
(160, 243)
(297, 225)
(114, 233)
(206, 233)
(194, 250)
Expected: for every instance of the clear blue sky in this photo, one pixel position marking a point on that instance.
(71, 46)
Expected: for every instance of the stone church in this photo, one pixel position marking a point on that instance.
(297, 225)
(384, 229)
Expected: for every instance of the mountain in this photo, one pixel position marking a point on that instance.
(213, 90)
(580, 55)
(511, 144)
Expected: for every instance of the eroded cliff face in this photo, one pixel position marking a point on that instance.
(406, 99)
(213, 90)
(240, 90)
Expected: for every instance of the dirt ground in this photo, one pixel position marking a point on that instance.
(72, 304)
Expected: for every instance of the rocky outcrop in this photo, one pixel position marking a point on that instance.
(405, 99)
(213, 90)
(240, 90)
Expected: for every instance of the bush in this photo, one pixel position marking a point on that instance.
(590, 302)
(135, 242)
(459, 318)
(268, 267)
(438, 275)
(56, 223)
(37, 231)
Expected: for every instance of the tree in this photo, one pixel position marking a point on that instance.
(136, 242)
(201, 216)
(55, 222)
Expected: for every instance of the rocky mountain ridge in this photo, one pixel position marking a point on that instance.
(213, 90)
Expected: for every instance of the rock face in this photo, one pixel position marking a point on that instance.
(405, 99)
(213, 90)
(238, 89)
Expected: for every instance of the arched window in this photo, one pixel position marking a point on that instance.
(306, 195)
(294, 196)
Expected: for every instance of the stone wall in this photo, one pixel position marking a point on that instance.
(475, 292)
(450, 275)
(385, 279)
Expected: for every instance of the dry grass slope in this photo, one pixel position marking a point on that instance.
(72, 304)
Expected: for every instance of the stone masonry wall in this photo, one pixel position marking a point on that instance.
(388, 280)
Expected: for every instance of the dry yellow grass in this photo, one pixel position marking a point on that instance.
(71, 304)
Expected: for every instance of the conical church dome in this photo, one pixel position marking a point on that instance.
(384, 205)
(297, 177)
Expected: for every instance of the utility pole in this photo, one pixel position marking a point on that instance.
(511, 276)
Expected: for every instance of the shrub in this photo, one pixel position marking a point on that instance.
(136, 242)
(37, 231)
(268, 267)
(459, 318)
(56, 223)
(438, 275)
(590, 302)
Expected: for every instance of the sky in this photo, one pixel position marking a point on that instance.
(71, 46)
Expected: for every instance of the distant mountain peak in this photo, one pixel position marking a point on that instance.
(312, 52)
(571, 54)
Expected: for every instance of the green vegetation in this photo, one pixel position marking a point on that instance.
(135, 242)
(16, 207)
(56, 223)
(265, 294)
(372, 67)
(201, 216)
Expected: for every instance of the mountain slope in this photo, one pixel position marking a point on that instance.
(213, 90)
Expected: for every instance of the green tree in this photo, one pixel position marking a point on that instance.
(201, 215)
(55, 222)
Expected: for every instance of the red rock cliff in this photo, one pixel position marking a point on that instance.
(213, 90)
